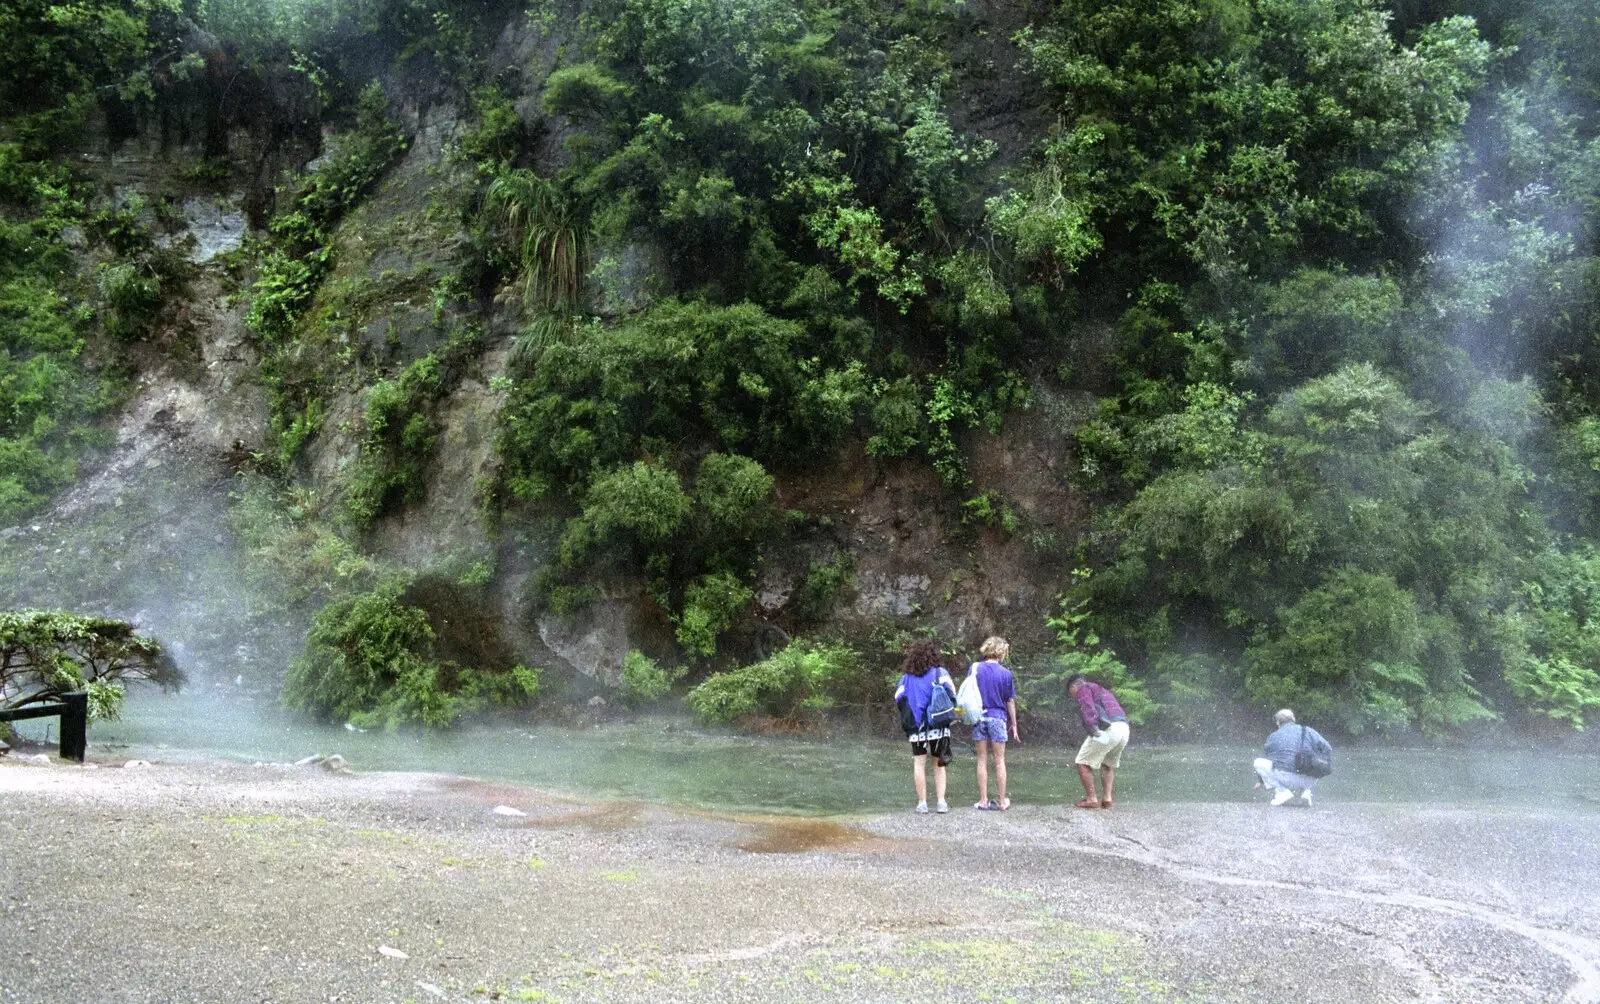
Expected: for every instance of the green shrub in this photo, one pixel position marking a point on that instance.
(397, 442)
(805, 677)
(370, 660)
(57, 61)
(1349, 651)
(132, 298)
(47, 395)
(288, 274)
(646, 502)
(825, 583)
(644, 681)
(725, 376)
(733, 498)
(583, 88)
(711, 605)
(898, 415)
(495, 140)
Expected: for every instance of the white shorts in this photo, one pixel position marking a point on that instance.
(1106, 749)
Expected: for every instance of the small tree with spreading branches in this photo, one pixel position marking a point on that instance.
(47, 653)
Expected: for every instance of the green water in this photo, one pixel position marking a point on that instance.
(673, 761)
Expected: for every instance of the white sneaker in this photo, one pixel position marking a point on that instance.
(1282, 797)
(1307, 796)
(922, 808)
(942, 807)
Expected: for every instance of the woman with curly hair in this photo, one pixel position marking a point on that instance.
(921, 672)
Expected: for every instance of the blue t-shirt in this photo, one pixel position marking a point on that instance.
(996, 687)
(918, 690)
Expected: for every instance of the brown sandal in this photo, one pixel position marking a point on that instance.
(1086, 804)
(1106, 804)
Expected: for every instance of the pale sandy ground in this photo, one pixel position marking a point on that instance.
(219, 882)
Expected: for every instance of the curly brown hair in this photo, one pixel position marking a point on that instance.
(921, 656)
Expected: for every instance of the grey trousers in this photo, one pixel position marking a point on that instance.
(1282, 780)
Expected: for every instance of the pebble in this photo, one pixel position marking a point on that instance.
(393, 953)
(506, 810)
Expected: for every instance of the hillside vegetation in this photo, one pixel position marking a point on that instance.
(1327, 272)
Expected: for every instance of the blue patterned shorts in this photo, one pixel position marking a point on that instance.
(995, 730)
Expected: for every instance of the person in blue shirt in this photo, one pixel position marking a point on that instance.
(921, 672)
(1276, 769)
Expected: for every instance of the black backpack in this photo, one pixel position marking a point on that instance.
(1312, 762)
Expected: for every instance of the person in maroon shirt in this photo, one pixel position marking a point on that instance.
(1107, 725)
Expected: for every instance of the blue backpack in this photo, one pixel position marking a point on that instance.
(942, 709)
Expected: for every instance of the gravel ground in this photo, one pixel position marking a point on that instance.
(232, 883)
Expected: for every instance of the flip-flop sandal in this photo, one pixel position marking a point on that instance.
(984, 806)
(1004, 806)
(1106, 805)
(1086, 804)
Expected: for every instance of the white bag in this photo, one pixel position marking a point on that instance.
(968, 699)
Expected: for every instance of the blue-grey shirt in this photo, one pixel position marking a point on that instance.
(1283, 744)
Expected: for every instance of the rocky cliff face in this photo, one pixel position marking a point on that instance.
(155, 532)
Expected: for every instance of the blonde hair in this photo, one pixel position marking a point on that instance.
(995, 647)
(1284, 717)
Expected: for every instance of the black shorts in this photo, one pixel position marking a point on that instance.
(939, 748)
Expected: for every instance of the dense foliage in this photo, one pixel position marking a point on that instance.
(65, 318)
(46, 653)
(803, 678)
(1328, 273)
(371, 661)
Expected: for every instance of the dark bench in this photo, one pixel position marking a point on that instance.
(74, 711)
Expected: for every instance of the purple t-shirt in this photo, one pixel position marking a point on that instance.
(996, 687)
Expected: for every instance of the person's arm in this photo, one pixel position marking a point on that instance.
(1011, 716)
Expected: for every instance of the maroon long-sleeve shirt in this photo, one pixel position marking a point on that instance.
(1087, 709)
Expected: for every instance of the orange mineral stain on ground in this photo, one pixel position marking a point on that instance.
(798, 836)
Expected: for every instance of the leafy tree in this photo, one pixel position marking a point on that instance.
(60, 60)
(1226, 137)
(44, 654)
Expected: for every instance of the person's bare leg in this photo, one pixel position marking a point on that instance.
(980, 750)
(1086, 775)
(939, 780)
(1000, 773)
(919, 778)
(1108, 780)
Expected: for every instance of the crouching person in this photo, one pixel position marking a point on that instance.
(1279, 769)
